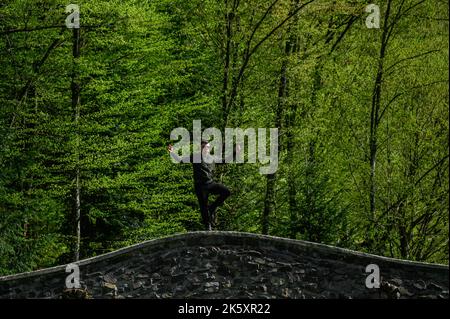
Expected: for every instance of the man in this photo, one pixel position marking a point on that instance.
(204, 183)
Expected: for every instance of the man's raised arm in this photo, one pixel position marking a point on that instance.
(176, 157)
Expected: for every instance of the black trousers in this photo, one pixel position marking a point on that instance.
(202, 191)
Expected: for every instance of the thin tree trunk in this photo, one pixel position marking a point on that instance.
(372, 240)
(75, 86)
(269, 201)
(290, 48)
(310, 198)
(226, 68)
(374, 114)
(229, 17)
(271, 178)
(282, 95)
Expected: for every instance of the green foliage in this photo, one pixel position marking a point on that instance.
(147, 67)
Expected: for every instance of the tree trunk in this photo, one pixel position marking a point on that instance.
(374, 114)
(226, 68)
(271, 178)
(373, 135)
(75, 86)
(269, 201)
(282, 95)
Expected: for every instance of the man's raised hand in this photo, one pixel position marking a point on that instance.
(170, 148)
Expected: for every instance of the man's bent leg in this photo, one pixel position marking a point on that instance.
(223, 192)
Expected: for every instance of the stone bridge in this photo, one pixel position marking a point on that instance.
(232, 265)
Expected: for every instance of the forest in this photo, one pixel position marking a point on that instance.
(357, 89)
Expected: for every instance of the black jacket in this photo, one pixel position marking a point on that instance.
(203, 171)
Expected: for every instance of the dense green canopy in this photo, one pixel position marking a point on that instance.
(362, 115)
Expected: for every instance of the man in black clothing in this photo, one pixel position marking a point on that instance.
(204, 183)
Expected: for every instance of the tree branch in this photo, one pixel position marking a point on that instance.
(249, 52)
(411, 58)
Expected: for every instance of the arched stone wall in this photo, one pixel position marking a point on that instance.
(233, 265)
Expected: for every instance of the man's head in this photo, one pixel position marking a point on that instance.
(205, 146)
